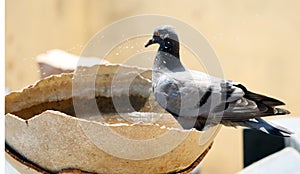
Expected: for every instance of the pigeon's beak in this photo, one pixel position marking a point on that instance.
(150, 42)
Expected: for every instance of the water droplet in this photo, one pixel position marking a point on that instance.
(117, 54)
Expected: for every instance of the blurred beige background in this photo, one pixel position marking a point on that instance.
(258, 44)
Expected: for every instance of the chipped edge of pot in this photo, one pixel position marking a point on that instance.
(32, 130)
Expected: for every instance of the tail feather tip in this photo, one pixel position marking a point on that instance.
(280, 111)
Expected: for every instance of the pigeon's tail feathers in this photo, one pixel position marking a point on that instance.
(280, 111)
(259, 97)
(266, 105)
(267, 110)
(263, 99)
(264, 126)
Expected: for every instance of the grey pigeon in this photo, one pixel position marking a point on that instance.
(198, 100)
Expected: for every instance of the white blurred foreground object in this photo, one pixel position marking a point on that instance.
(269, 149)
(293, 125)
(284, 161)
(58, 61)
(9, 169)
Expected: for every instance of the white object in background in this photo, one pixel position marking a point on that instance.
(65, 60)
(284, 161)
(291, 123)
(10, 169)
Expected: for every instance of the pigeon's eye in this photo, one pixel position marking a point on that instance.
(156, 34)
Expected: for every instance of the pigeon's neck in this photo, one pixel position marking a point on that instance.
(165, 61)
(170, 46)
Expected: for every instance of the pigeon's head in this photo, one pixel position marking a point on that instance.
(166, 37)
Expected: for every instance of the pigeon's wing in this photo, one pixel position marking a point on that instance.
(237, 103)
(167, 94)
(181, 98)
(197, 94)
(188, 94)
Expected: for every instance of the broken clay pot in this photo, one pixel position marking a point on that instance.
(99, 119)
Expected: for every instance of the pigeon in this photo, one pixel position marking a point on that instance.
(198, 100)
